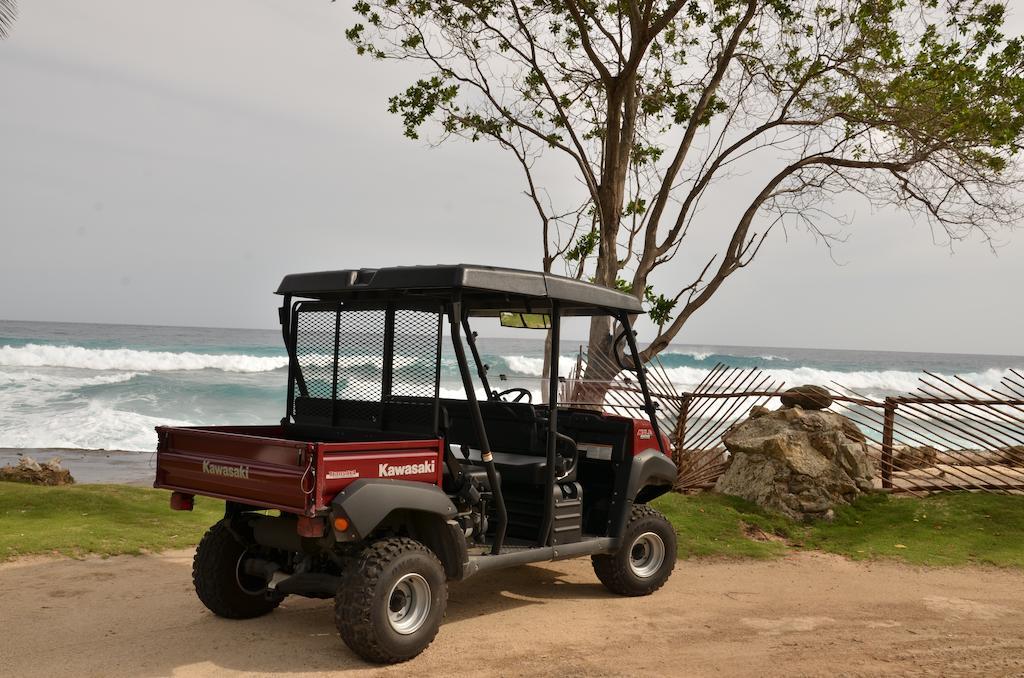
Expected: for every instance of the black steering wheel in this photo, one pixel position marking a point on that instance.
(521, 393)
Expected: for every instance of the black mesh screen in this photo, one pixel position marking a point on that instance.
(414, 379)
(366, 368)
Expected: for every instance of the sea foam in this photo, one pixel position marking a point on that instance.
(696, 355)
(60, 382)
(534, 367)
(126, 359)
(92, 426)
(49, 408)
(866, 382)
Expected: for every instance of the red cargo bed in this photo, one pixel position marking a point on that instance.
(261, 466)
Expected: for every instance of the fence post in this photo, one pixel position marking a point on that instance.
(888, 424)
(679, 434)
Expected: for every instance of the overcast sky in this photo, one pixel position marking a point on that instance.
(166, 163)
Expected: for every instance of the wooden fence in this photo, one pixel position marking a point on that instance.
(949, 434)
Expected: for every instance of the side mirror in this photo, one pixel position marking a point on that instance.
(529, 321)
(619, 352)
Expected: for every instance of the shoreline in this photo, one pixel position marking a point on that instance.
(90, 467)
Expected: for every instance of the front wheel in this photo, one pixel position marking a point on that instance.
(646, 558)
(391, 601)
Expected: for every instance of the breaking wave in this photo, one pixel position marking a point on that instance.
(91, 427)
(56, 408)
(866, 382)
(520, 364)
(59, 383)
(534, 367)
(696, 355)
(127, 359)
(674, 357)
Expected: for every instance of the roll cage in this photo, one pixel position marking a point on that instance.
(377, 309)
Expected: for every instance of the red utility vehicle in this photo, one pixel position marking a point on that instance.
(380, 491)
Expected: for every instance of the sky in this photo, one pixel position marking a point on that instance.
(167, 163)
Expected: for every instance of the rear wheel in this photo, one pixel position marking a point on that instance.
(391, 601)
(221, 584)
(646, 558)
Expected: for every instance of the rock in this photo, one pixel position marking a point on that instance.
(1012, 455)
(798, 462)
(758, 411)
(28, 470)
(808, 397)
(908, 458)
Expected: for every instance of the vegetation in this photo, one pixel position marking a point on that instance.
(654, 105)
(719, 525)
(107, 520)
(951, 529)
(8, 12)
(945, 529)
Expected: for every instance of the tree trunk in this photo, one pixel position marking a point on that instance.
(601, 364)
(546, 372)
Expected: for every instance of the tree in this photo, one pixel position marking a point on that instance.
(8, 12)
(913, 103)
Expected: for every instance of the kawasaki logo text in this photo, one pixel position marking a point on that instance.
(390, 471)
(229, 471)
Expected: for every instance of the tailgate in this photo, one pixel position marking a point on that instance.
(238, 463)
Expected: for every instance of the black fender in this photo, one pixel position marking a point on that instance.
(422, 511)
(368, 501)
(651, 474)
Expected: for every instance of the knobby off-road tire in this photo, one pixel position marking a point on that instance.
(391, 600)
(218, 582)
(646, 558)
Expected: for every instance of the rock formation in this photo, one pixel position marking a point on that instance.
(808, 397)
(908, 458)
(797, 462)
(28, 470)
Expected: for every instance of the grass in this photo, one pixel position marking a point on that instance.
(714, 525)
(75, 520)
(950, 529)
(946, 529)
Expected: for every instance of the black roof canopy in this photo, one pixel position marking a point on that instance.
(481, 287)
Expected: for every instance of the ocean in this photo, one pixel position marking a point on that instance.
(104, 387)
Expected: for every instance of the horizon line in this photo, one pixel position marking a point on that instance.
(572, 340)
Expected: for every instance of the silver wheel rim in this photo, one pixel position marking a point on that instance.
(646, 555)
(409, 604)
(240, 574)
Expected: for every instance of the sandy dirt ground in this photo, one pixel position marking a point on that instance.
(806, 614)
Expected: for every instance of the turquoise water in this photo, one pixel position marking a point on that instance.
(106, 386)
